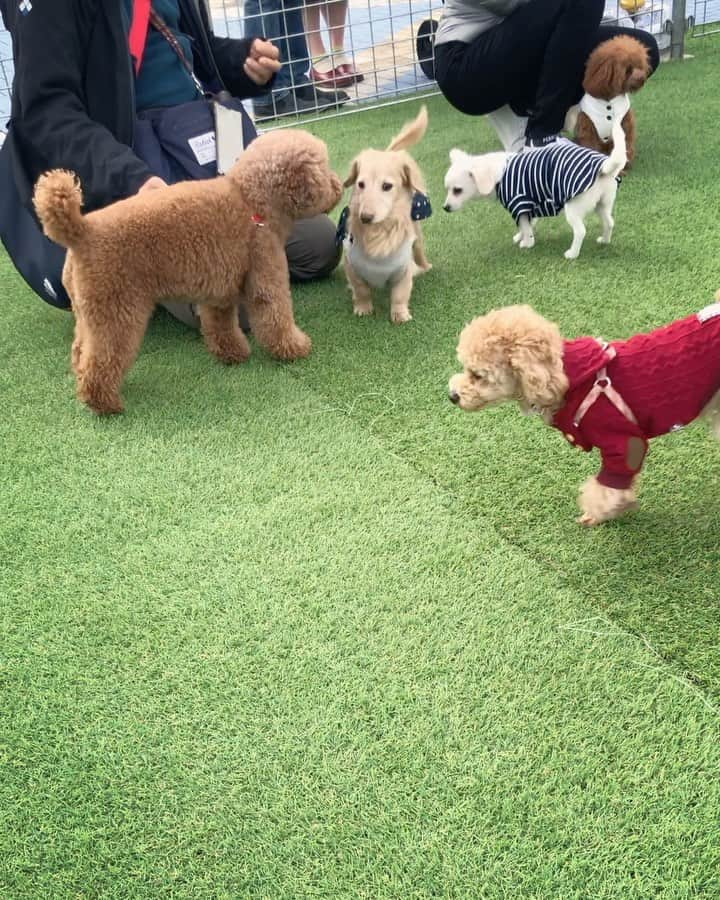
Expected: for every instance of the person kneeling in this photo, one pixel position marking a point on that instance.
(124, 104)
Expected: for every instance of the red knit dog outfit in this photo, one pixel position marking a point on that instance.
(624, 393)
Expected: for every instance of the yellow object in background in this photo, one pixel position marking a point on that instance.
(632, 6)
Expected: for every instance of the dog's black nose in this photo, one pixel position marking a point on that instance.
(447, 207)
(366, 218)
(454, 397)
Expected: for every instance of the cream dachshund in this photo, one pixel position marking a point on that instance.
(381, 227)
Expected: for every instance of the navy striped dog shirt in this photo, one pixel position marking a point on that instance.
(538, 183)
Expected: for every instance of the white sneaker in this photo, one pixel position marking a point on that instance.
(510, 128)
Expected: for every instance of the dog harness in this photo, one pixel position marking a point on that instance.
(620, 395)
(538, 183)
(383, 270)
(604, 113)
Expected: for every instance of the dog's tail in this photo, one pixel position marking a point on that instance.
(617, 160)
(58, 202)
(411, 132)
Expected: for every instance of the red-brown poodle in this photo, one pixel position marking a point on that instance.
(615, 69)
(219, 243)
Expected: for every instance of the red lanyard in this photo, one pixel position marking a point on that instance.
(139, 31)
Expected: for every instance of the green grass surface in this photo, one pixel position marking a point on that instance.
(309, 631)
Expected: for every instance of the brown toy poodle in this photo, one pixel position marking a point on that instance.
(219, 243)
(613, 396)
(615, 69)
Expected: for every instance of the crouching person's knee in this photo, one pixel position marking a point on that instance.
(312, 249)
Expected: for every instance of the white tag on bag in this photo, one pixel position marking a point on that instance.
(229, 138)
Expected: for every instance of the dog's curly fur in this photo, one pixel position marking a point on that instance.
(389, 224)
(618, 66)
(516, 354)
(219, 243)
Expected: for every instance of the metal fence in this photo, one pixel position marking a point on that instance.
(377, 52)
(705, 18)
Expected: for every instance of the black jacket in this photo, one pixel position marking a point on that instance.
(73, 102)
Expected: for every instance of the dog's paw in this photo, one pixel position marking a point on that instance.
(400, 316)
(526, 243)
(571, 254)
(603, 240)
(229, 351)
(102, 406)
(297, 346)
(588, 521)
(421, 270)
(517, 237)
(363, 309)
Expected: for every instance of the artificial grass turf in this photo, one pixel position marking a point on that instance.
(307, 630)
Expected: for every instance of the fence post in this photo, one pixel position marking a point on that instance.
(678, 27)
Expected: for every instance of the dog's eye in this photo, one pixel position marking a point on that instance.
(457, 192)
(386, 186)
(361, 185)
(477, 376)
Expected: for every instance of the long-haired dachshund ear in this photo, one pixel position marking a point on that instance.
(352, 177)
(410, 179)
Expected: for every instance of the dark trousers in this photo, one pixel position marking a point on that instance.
(533, 61)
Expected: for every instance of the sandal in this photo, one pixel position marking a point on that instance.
(334, 78)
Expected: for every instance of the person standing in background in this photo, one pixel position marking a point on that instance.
(281, 21)
(334, 69)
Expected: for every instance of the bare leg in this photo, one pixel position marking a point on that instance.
(400, 299)
(336, 16)
(361, 293)
(222, 333)
(313, 34)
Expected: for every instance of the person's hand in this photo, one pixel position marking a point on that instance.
(263, 61)
(152, 184)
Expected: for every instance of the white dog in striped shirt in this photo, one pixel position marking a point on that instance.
(542, 182)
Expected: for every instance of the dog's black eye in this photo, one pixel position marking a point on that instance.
(457, 191)
(386, 186)
(361, 185)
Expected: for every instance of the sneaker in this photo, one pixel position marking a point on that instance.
(303, 99)
(321, 99)
(539, 143)
(283, 106)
